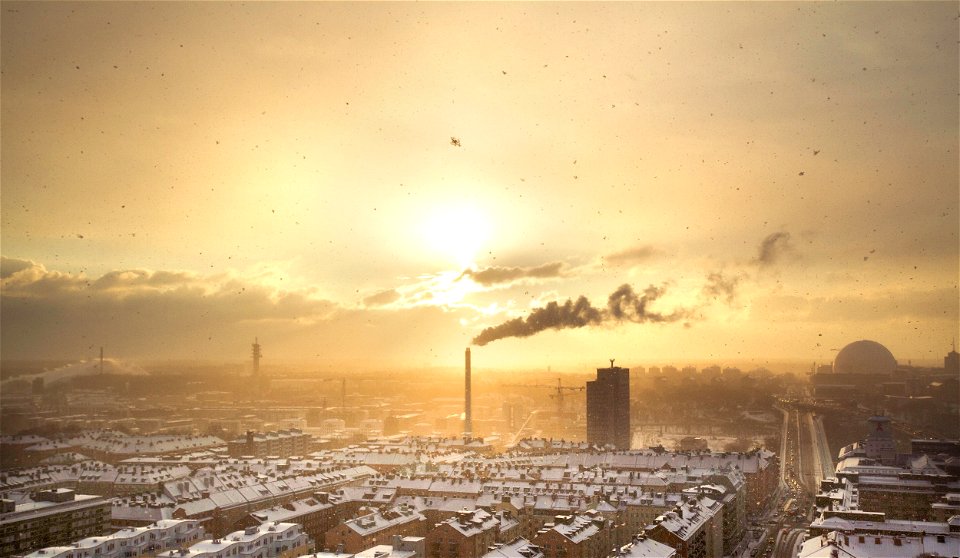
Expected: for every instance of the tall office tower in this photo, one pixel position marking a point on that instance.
(951, 362)
(608, 407)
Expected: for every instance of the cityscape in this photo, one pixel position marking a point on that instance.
(272, 464)
(479, 280)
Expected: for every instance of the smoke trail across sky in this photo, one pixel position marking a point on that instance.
(626, 305)
(623, 305)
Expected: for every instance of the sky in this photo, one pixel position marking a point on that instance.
(384, 184)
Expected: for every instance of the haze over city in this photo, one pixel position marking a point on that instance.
(479, 280)
(377, 184)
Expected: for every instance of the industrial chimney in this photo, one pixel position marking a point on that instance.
(467, 423)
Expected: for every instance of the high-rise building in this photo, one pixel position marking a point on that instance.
(608, 407)
(951, 362)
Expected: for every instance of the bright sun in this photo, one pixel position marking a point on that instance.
(457, 233)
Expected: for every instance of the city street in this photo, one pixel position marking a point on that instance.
(805, 461)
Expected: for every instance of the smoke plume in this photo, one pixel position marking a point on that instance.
(552, 316)
(623, 305)
(90, 367)
(774, 248)
(722, 287)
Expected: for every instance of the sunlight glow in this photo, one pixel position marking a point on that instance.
(445, 289)
(457, 233)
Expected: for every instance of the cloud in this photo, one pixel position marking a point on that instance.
(132, 278)
(775, 248)
(136, 313)
(496, 275)
(633, 255)
(382, 298)
(146, 312)
(623, 305)
(9, 266)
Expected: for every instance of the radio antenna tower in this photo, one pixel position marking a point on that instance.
(256, 357)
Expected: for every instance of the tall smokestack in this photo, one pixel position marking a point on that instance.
(467, 421)
(101, 360)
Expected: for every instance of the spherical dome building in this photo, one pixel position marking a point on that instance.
(864, 357)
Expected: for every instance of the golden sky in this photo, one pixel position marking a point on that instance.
(377, 183)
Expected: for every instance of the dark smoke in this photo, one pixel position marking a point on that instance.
(623, 305)
(722, 287)
(773, 248)
(552, 316)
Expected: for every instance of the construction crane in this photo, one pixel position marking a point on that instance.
(558, 395)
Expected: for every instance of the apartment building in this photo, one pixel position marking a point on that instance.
(52, 518)
(468, 535)
(517, 548)
(693, 528)
(132, 542)
(276, 540)
(575, 536)
(281, 443)
(376, 527)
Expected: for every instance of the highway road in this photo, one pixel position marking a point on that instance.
(805, 461)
